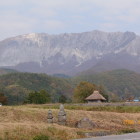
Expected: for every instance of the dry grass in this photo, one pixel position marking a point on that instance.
(25, 122)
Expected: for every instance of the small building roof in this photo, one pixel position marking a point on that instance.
(95, 96)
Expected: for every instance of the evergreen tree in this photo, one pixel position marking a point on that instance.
(62, 99)
(103, 92)
(40, 97)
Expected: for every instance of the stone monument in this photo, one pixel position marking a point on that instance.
(62, 116)
(50, 117)
(85, 123)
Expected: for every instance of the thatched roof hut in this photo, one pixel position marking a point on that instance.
(95, 97)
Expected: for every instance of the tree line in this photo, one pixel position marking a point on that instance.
(80, 92)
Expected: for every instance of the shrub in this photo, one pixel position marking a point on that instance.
(62, 99)
(40, 97)
(128, 131)
(41, 137)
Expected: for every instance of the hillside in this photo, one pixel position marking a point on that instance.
(17, 85)
(70, 53)
(6, 71)
(117, 82)
(120, 82)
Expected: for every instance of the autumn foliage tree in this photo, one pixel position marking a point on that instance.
(83, 90)
(3, 99)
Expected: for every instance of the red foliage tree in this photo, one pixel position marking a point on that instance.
(3, 99)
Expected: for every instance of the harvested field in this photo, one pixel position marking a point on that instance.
(25, 122)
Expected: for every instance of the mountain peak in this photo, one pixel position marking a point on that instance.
(65, 53)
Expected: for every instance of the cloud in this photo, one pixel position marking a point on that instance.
(57, 16)
(125, 10)
(108, 26)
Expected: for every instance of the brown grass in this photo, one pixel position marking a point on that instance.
(25, 122)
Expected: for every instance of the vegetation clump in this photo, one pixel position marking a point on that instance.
(3, 99)
(84, 89)
(40, 97)
(125, 131)
(41, 137)
(62, 99)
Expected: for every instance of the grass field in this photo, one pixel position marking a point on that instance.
(96, 107)
(27, 121)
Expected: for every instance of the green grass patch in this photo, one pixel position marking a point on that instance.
(125, 131)
(119, 109)
(41, 137)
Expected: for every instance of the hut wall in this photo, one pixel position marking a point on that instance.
(94, 101)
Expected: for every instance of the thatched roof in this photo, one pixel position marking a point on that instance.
(95, 96)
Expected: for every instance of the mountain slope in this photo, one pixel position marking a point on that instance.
(116, 81)
(6, 71)
(17, 85)
(69, 53)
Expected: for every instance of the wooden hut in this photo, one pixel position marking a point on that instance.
(95, 97)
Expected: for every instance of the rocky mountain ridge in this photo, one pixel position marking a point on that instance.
(70, 53)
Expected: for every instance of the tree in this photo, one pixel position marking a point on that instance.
(3, 99)
(128, 96)
(17, 95)
(62, 99)
(103, 92)
(40, 97)
(83, 90)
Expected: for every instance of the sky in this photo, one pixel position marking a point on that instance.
(68, 16)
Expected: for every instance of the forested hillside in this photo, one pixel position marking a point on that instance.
(16, 86)
(6, 71)
(121, 82)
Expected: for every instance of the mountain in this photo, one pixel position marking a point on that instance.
(119, 82)
(16, 86)
(71, 53)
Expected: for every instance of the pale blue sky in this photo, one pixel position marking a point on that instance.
(66, 16)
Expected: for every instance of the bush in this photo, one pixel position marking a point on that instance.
(3, 99)
(62, 99)
(40, 97)
(128, 131)
(41, 137)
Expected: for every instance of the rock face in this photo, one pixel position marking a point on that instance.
(50, 117)
(62, 116)
(70, 53)
(85, 123)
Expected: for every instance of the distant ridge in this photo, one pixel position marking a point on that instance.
(71, 53)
